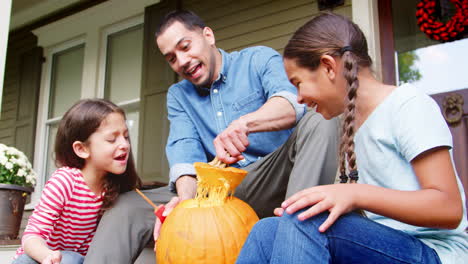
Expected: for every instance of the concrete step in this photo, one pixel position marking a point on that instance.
(7, 252)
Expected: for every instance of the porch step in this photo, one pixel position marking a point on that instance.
(8, 251)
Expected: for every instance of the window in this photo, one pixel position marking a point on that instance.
(65, 88)
(123, 69)
(430, 65)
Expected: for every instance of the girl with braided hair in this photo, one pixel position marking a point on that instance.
(406, 186)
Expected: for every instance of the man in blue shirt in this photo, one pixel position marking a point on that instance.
(238, 106)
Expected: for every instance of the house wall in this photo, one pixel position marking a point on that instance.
(239, 24)
(17, 121)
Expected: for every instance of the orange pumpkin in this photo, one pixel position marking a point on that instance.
(212, 227)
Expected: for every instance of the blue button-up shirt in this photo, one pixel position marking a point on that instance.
(248, 78)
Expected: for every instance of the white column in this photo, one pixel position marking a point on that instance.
(366, 16)
(5, 9)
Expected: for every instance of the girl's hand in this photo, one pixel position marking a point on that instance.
(338, 199)
(54, 258)
(278, 211)
(169, 207)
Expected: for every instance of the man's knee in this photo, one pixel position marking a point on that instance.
(317, 131)
(128, 204)
(314, 123)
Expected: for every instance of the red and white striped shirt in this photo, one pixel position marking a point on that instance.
(67, 214)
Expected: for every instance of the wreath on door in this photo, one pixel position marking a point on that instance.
(440, 31)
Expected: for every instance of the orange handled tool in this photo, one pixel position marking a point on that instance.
(158, 210)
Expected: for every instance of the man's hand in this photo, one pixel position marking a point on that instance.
(276, 114)
(230, 143)
(186, 187)
(54, 258)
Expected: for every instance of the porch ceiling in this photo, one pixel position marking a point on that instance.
(24, 12)
(20, 5)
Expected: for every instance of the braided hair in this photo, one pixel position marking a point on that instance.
(336, 36)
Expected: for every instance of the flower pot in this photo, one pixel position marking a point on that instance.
(12, 201)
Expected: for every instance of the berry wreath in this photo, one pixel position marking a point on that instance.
(436, 30)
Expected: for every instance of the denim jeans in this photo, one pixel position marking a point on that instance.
(68, 257)
(351, 239)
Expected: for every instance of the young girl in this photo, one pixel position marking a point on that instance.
(397, 140)
(92, 149)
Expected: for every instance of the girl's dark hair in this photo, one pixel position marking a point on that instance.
(187, 18)
(334, 35)
(78, 123)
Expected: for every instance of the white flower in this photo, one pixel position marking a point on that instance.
(31, 179)
(3, 160)
(21, 173)
(9, 165)
(12, 151)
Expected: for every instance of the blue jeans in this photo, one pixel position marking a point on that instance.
(351, 239)
(68, 257)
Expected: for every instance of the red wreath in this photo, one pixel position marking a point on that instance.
(437, 30)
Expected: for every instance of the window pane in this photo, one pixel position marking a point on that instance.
(132, 123)
(50, 158)
(432, 66)
(124, 58)
(67, 71)
(437, 68)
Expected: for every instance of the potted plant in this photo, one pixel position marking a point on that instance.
(17, 180)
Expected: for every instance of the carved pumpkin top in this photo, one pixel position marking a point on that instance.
(216, 184)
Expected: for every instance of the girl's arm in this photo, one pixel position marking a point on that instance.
(437, 204)
(37, 249)
(54, 196)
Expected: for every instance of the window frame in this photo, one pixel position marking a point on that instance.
(43, 120)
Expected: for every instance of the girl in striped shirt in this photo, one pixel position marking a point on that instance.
(92, 152)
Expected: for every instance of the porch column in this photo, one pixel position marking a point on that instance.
(5, 10)
(365, 15)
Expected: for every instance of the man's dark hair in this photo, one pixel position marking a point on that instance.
(188, 18)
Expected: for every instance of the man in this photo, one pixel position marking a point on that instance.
(237, 106)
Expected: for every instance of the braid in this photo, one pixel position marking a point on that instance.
(350, 74)
(342, 156)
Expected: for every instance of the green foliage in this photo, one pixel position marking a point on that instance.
(406, 71)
